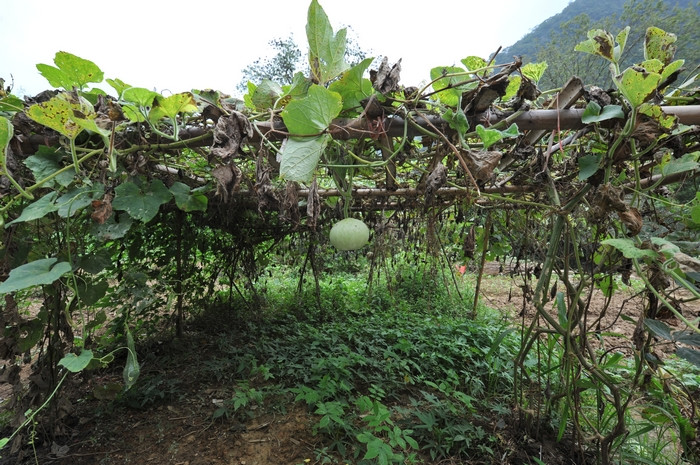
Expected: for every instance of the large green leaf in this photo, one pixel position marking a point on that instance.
(491, 136)
(140, 96)
(691, 355)
(312, 114)
(77, 363)
(188, 200)
(266, 94)
(141, 202)
(45, 162)
(628, 249)
(300, 157)
(352, 87)
(76, 199)
(38, 272)
(38, 209)
(637, 84)
(587, 166)
(62, 113)
(326, 50)
(71, 71)
(112, 229)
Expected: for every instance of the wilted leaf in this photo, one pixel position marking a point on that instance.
(481, 164)
(229, 133)
(632, 219)
(628, 249)
(38, 272)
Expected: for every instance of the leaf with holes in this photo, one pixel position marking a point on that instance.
(36, 273)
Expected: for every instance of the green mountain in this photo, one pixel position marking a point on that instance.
(554, 39)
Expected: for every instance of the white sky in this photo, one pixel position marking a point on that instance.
(177, 46)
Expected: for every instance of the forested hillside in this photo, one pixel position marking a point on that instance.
(554, 39)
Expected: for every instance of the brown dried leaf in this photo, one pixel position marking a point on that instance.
(229, 133)
(228, 180)
(386, 79)
(687, 263)
(436, 179)
(313, 206)
(482, 164)
(632, 219)
(102, 209)
(289, 210)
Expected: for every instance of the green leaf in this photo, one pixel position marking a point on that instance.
(300, 157)
(452, 95)
(75, 200)
(186, 200)
(11, 103)
(91, 292)
(592, 113)
(132, 368)
(659, 45)
(562, 311)
(118, 85)
(6, 133)
(71, 71)
(326, 50)
(34, 330)
(628, 249)
(140, 96)
(588, 165)
(654, 111)
(491, 136)
(352, 87)
(691, 355)
(666, 247)
(171, 106)
(111, 229)
(457, 120)
(38, 272)
(472, 63)
(621, 39)
(637, 85)
(141, 203)
(534, 71)
(38, 209)
(513, 87)
(77, 363)
(679, 165)
(690, 338)
(659, 328)
(695, 214)
(314, 113)
(45, 162)
(266, 94)
(671, 68)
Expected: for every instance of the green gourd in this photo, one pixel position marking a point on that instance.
(349, 234)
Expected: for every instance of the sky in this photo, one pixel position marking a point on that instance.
(175, 46)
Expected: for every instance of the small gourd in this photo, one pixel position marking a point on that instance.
(349, 234)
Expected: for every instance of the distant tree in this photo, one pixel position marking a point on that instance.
(280, 68)
(288, 60)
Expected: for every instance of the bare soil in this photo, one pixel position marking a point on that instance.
(180, 430)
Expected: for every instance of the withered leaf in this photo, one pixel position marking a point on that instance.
(313, 206)
(436, 179)
(386, 79)
(481, 164)
(632, 219)
(228, 180)
(102, 209)
(229, 133)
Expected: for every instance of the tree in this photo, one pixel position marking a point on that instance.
(280, 68)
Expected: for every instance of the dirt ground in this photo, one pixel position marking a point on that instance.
(181, 431)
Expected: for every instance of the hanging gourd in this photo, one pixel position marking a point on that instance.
(349, 234)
